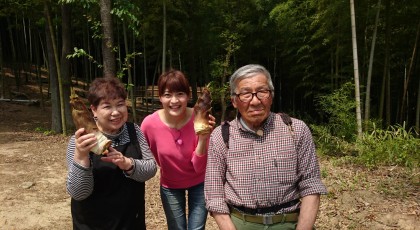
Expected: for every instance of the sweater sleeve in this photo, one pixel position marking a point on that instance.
(79, 179)
(144, 168)
(199, 162)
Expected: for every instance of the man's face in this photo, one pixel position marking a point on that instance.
(255, 111)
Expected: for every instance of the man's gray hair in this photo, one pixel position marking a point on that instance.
(249, 71)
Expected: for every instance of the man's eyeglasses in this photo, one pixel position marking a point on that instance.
(247, 97)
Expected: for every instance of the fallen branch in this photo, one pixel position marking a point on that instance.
(24, 101)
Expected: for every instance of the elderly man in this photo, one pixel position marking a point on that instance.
(263, 173)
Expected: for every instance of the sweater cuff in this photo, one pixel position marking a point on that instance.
(80, 167)
(199, 162)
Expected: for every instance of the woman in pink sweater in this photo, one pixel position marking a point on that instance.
(179, 152)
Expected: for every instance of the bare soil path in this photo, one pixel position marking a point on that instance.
(33, 173)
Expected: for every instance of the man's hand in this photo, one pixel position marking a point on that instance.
(308, 211)
(223, 221)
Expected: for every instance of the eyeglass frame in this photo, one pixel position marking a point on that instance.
(238, 95)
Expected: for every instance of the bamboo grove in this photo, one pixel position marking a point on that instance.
(305, 44)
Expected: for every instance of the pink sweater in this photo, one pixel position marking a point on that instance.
(174, 151)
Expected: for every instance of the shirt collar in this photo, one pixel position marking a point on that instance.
(242, 125)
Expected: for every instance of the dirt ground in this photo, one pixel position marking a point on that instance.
(33, 173)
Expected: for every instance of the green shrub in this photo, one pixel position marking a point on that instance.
(44, 131)
(339, 108)
(330, 145)
(394, 146)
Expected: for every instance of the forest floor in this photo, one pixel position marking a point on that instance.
(33, 174)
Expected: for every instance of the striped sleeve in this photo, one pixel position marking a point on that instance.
(79, 179)
(144, 168)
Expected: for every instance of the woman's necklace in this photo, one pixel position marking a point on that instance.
(176, 127)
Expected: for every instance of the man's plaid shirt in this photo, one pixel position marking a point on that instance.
(261, 171)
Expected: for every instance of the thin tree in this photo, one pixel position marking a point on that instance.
(418, 110)
(66, 10)
(130, 77)
(410, 71)
(57, 63)
(2, 76)
(14, 55)
(164, 38)
(386, 76)
(52, 83)
(38, 68)
(372, 52)
(356, 69)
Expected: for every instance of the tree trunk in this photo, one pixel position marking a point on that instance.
(30, 44)
(130, 78)
(26, 52)
(278, 83)
(388, 96)
(109, 66)
(2, 75)
(44, 55)
(53, 83)
(410, 70)
(38, 69)
(369, 77)
(87, 64)
(384, 95)
(118, 48)
(164, 38)
(418, 110)
(135, 80)
(226, 64)
(356, 69)
(14, 57)
(65, 62)
(146, 82)
(57, 63)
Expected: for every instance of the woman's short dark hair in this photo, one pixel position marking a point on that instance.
(173, 80)
(106, 88)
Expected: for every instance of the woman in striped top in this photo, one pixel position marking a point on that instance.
(107, 191)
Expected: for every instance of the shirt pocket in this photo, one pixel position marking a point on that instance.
(285, 166)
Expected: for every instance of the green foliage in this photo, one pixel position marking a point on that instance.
(339, 107)
(44, 131)
(393, 146)
(328, 144)
(95, 26)
(127, 11)
(84, 3)
(82, 53)
(218, 90)
(126, 65)
(216, 86)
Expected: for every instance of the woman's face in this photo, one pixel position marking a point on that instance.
(111, 114)
(174, 103)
